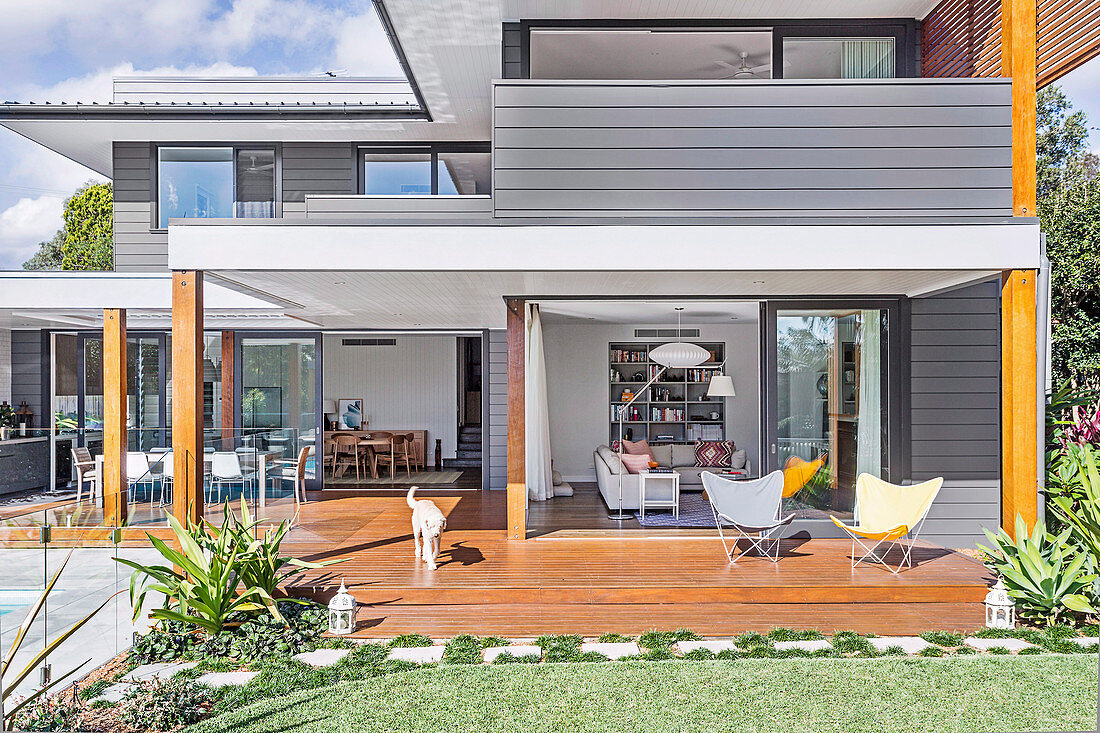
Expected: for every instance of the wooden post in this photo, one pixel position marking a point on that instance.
(187, 438)
(1019, 364)
(115, 485)
(228, 401)
(1019, 408)
(517, 458)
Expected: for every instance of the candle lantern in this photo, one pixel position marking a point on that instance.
(341, 612)
(1000, 612)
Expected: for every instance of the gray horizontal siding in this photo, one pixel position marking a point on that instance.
(317, 168)
(955, 409)
(498, 409)
(475, 208)
(894, 148)
(26, 371)
(138, 248)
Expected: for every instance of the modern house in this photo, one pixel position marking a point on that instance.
(837, 200)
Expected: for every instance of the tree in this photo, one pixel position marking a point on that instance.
(1069, 212)
(49, 255)
(89, 228)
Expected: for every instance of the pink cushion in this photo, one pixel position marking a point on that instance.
(637, 448)
(714, 453)
(635, 463)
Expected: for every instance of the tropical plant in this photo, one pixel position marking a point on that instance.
(201, 581)
(12, 681)
(7, 416)
(1079, 509)
(1039, 574)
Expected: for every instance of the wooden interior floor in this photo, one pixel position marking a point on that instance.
(596, 583)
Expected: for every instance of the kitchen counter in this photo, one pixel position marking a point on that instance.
(24, 463)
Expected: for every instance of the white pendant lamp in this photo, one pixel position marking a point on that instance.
(679, 355)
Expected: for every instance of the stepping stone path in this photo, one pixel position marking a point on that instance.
(1013, 645)
(417, 654)
(158, 671)
(519, 650)
(909, 644)
(715, 646)
(322, 657)
(226, 679)
(616, 650)
(808, 645)
(1086, 641)
(116, 692)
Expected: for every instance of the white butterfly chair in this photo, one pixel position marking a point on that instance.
(888, 513)
(225, 468)
(138, 473)
(167, 476)
(751, 508)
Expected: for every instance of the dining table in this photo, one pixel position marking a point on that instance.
(370, 444)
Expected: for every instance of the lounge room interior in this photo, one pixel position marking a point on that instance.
(829, 384)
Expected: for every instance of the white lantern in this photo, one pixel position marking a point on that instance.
(1000, 612)
(341, 612)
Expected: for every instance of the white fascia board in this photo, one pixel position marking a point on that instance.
(97, 290)
(287, 247)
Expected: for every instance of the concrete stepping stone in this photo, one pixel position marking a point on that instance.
(519, 650)
(908, 644)
(226, 679)
(157, 671)
(116, 692)
(806, 645)
(1086, 640)
(322, 657)
(684, 647)
(417, 654)
(1013, 645)
(613, 650)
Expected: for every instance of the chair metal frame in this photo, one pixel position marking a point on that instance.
(871, 554)
(766, 545)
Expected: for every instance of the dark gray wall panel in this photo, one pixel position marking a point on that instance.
(138, 246)
(955, 409)
(914, 148)
(318, 168)
(26, 371)
(498, 409)
(511, 58)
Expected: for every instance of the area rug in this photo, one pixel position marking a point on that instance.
(420, 478)
(694, 512)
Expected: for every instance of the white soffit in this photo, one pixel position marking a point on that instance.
(655, 313)
(58, 291)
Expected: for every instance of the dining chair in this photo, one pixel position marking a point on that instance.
(295, 472)
(138, 473)
(414, 455)
(225, 468)
(84, 465)
(346, 453)
(398, 452)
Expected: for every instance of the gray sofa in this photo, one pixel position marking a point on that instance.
(680, 457)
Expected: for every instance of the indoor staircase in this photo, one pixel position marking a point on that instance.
(468, 454)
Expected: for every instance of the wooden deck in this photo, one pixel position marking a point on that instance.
(604, 581)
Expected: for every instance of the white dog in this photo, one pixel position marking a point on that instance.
(429, 523)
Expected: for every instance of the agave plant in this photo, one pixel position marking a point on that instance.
(11, 683)
(200, 583)
(1038, 574)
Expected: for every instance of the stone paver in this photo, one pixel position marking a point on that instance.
(226, 679)
(157, 671)
(322, 657)
(1086, 640)
(715, 646)
(518, 650)
(116, 692)
(910, 644)
(417, 654)
(1013, 645)
(615, 650)
(807, 645)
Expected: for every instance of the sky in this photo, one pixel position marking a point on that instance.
(69, 50)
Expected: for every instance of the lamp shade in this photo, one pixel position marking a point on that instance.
(721, 385)
(328, 407)
(679, 355)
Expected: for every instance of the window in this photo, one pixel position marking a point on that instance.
(425, 173)
(215, 182)
(839, 58)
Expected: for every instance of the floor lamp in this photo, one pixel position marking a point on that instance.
(677, 355)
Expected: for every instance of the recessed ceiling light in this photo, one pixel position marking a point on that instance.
(757, 282)
(340, 282)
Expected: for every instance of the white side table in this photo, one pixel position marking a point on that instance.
(660, 489)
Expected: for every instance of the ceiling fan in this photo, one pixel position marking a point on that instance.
(743, 70)
(254, 168)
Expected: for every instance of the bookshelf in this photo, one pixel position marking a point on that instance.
(675, 408)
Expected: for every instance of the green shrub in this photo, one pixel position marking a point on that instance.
(665, 639)
(699, 655)
(932, 651)
(405, 641)
(466, 649)
(591, 657)
(1031, 650)
(49, 714)
(658, 654)
(613, 639)
(164, 706)
(893, 651)
(728, 654)
(792, 635)
(509, 658)
(752, 640)
(560, 647)
(849, 642)
(966, 650)
(94, 690)
(997, 650)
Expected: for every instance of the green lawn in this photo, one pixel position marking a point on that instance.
(954, 694)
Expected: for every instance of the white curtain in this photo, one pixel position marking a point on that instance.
(867, 58)
(540, 484)
(869, 409)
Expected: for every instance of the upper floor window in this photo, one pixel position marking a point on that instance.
(839, 58)
(425, 172)
(215, 182)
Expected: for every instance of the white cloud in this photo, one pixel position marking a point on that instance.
(363, 48)
(1082, 86)
(24, 225)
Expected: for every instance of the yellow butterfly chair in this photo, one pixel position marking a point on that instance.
(888, 513)
(798, 472)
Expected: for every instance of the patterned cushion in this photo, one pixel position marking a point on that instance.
(635, 463)
(714, 453)
(638, 448)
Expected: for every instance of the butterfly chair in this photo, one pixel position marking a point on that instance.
(798, 472)
(749, 508)
(888, 513)
(139, 472)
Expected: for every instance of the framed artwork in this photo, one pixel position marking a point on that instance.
(350, 413)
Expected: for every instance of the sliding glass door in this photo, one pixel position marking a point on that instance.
(829, 394)
(146, 376)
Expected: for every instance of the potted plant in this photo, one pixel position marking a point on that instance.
(8, 420)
